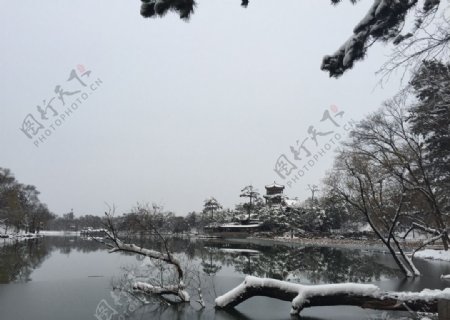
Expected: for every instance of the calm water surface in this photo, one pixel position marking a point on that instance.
(56, 278)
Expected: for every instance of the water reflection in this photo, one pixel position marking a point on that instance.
(300, 264)
(224, 261)
(18, 259)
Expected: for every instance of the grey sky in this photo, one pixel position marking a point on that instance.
(186, 110)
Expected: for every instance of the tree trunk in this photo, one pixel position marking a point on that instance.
(352, 294)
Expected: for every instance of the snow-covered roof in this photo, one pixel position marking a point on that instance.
(274, 185)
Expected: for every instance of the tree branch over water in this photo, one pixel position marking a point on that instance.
(115, 244)
(350, 294)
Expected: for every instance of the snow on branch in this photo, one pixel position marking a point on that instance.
(152, 254)
(355, 294)
(184, 8)
(384, 21)
(422, 227)
(166, 290)
(115, 244)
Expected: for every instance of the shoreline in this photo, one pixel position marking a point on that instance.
(363, 244)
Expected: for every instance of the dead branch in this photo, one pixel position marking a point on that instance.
(305, 296)
(115, 244)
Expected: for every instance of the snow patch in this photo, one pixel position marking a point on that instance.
(239, 250)
(433, 255)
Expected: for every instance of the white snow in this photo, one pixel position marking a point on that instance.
(292, 203)
(365, 228)
(251, 281)
(147, 287)
(433, 254)
(58, 233)
(239, 251)
(425, 294)
(332, 289)
(174, 289)
(231, 225)
(305, 292)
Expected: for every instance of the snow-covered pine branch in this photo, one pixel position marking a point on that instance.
(354, 294)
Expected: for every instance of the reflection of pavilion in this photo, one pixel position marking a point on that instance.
(274, 194)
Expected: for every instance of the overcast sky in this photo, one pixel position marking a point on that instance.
(184, 111)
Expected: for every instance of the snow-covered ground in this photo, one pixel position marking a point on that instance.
(228, 250)
(16, 235)
(433, 254)
(59, 233)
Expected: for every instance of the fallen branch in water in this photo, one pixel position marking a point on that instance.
(353, 294)
(115, 244)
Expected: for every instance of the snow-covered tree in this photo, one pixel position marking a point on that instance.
(211, 205)
(384, 22)
(252, 194)
(20, 206)
(430, 118)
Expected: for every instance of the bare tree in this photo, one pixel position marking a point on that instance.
(427, 41)
(313, 188)
(386, 138)
(114, 242)
(358, 181)
(384, 173)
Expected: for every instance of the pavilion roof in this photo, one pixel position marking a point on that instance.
(274, 185)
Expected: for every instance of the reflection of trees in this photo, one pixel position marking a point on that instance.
(209, 266)
(79, 244)
(245, 262)
(18, 260)
(313, 263)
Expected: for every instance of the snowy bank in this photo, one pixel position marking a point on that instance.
(229, 250)
(433, 255)
(59, 233)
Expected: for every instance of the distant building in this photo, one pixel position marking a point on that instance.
(274, 194)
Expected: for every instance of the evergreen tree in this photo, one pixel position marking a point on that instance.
(430, 118)
(384, 22)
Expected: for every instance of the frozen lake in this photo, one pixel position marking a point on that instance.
(59, 277)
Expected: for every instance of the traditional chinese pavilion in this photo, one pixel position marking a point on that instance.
(274, 194)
